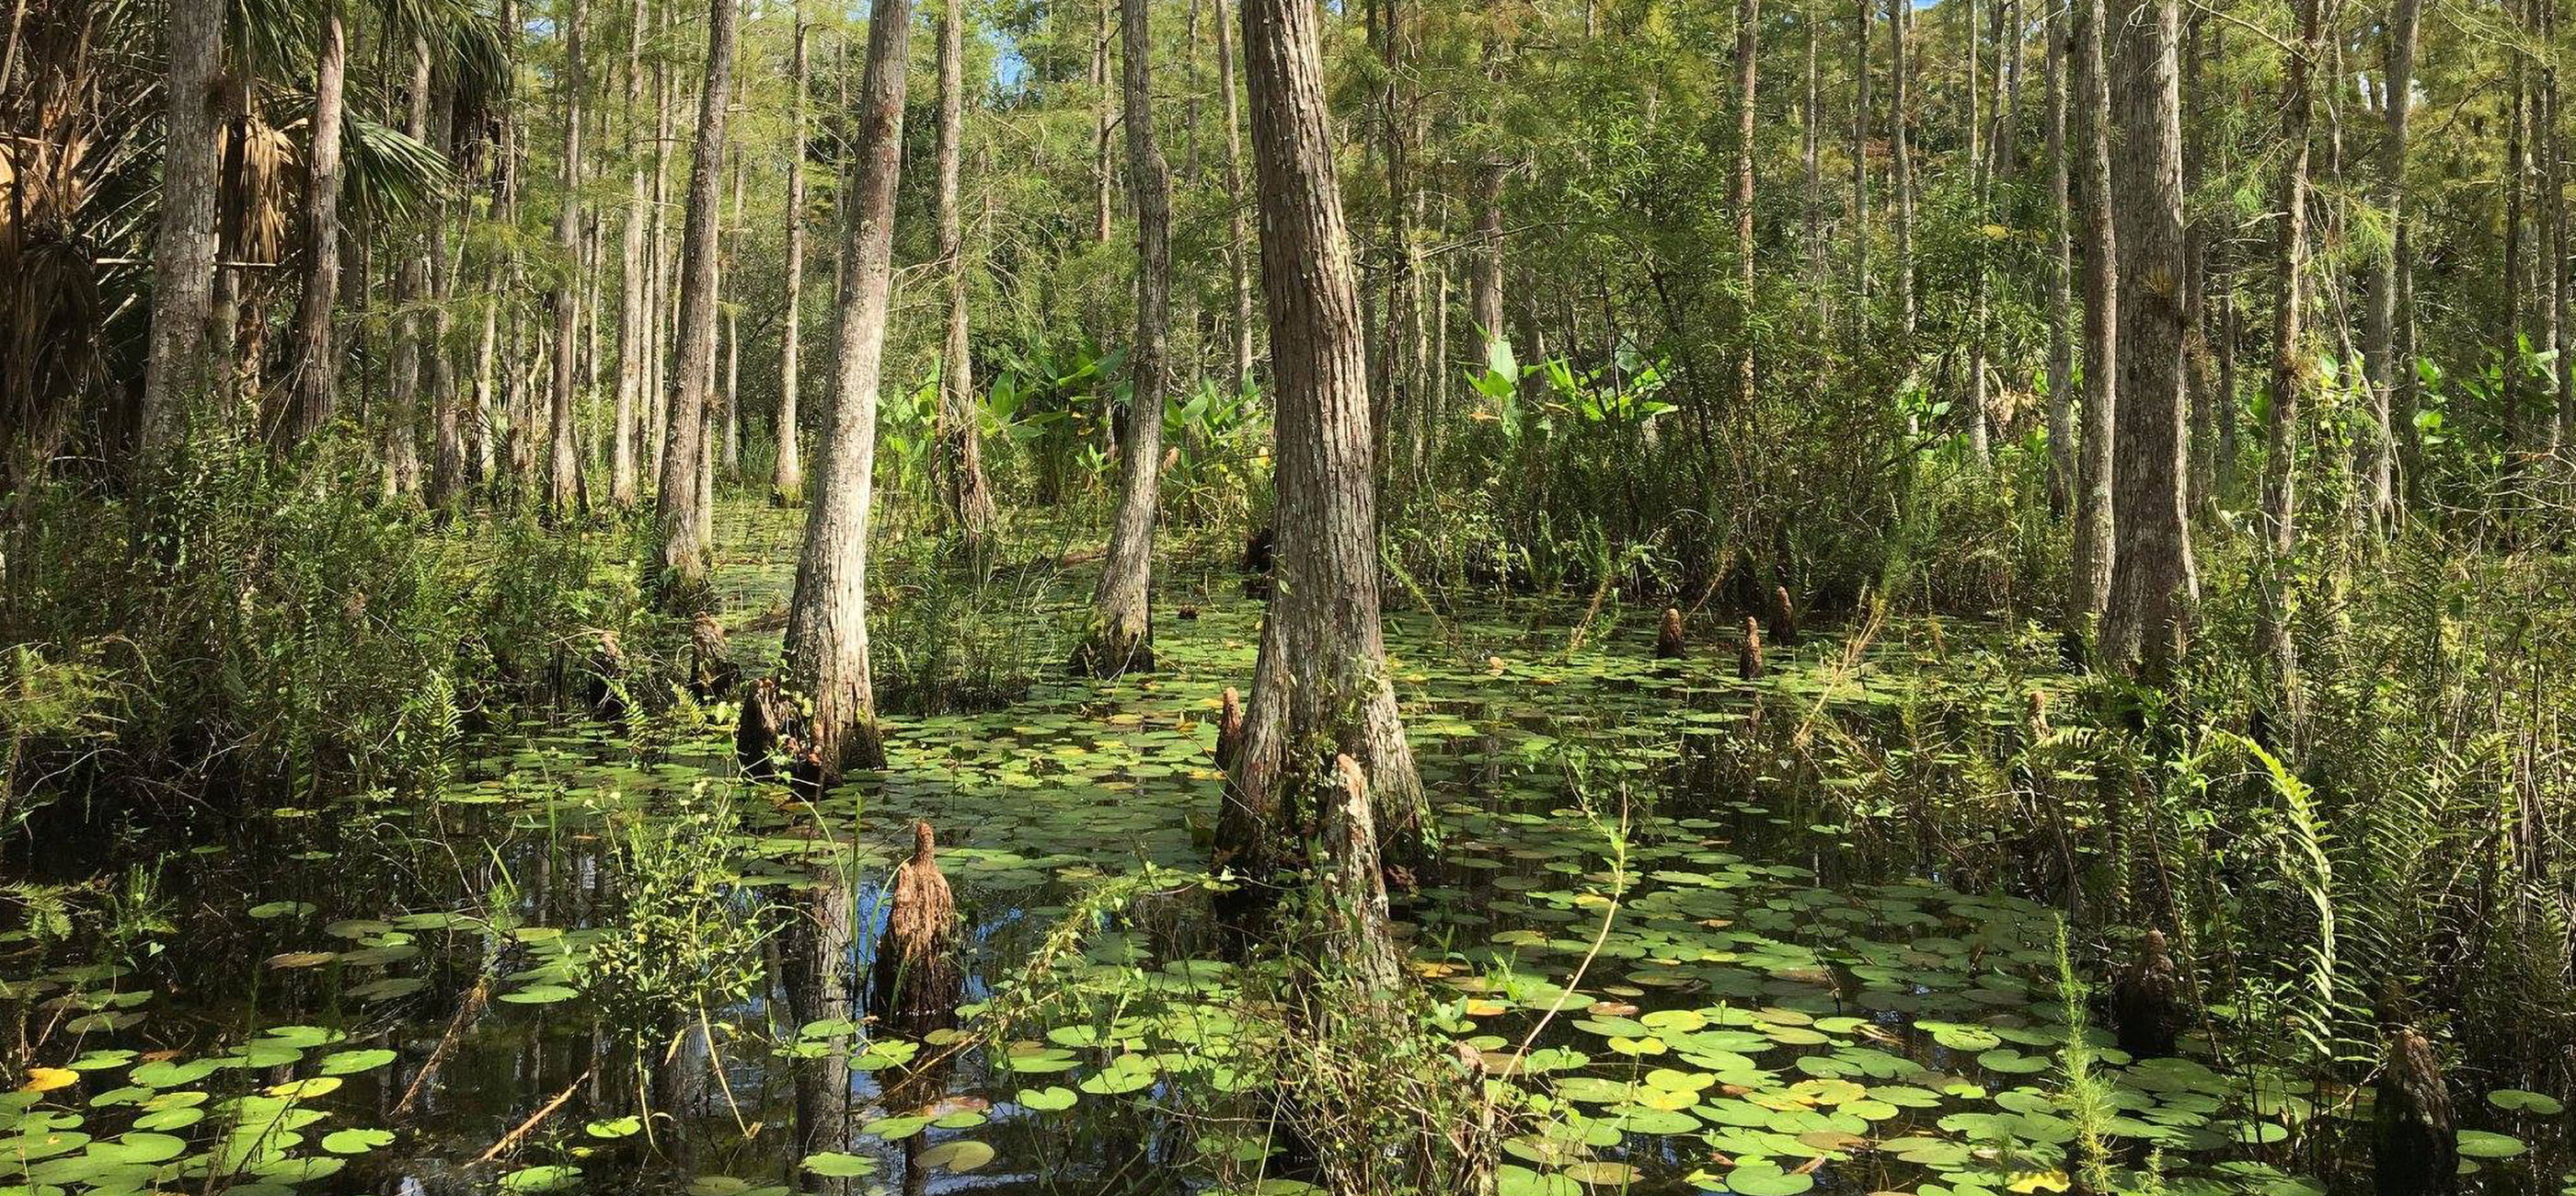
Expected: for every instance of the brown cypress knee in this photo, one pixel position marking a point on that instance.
(1668, 638)
(1229, 729)
(2416, 1149)
(917, 978)
(1784, 617)
(1748, 660)
(2147, 1002)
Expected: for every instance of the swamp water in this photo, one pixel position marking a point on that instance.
(453, 992)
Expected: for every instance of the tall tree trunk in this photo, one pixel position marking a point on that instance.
(564, 495)
(1238, 256)
(2514, 172)
(2293, 371)
(1859, 151)
(307, 406)
(787, 483)
(401, 428)
(1901, 157)
(960, 454)
(1320, 684)
(1980, 198)
(2553, 215)
(2090, 594)
(438, 372)
(2153, 583)
(176, 370)
(1102, 120)
(632, 352)
(2379, 455)
(826, 659)
(733, 337)
(659, 310)
(2061, 268)
(1810, 146)
(1121, 635)
(679, 508)
(1748, 29)
(1485, 284)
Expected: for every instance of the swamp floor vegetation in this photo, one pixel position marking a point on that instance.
(1852, 926)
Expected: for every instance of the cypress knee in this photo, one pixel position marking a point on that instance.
(917, 979)
(1256, 562)
(2417, 1149)
(1229, 729)
(1748, 660)
(1668, 638)
(1784, 617)
(712, 672)
(2147, 1002)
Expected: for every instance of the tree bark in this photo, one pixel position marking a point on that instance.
(1485, 284)
(679, 504)
(826, 657)
(2379, 456)
(1102, 120)
(2153, 583)
(632, 352)
(787, 483)
(183, 252)
(1861, 21)
(309, 393)
(2061, 269)
(1238, 259)
(1320, 684)
(2293, 371)
(1121, 635)
(2090, 594)
(1748, 20)
(438, 372)
(401, 425)
(564, 494)
(960, 451)
(1900, 27)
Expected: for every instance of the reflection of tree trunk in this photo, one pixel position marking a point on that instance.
(1320, 681)
(1121, 636)
(678, 504)
(816, 960)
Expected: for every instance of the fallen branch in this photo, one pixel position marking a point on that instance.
(511, 1140)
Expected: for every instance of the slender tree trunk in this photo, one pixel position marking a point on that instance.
(2379, 455)
(2153, 586)
(1980, 197)
(679, 506)
(2061, 268)
(447, 440)
(1810, 147)
(787, 484)
(176, 370)
(659, 309)
(1748, 21)
(1900, 28)
(1238, 261)
(2514, 172)
(1121, 636)
(632, 351)
(2090, 595)
(1485, 284)
(564, 494)
(402, 410)
(2293, 371)
(733, 338)
(1320, 684)
(826, 658)
(960, 454)
(2551, 145)
(309, 393)
(1860, 231)
(1102, 120)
